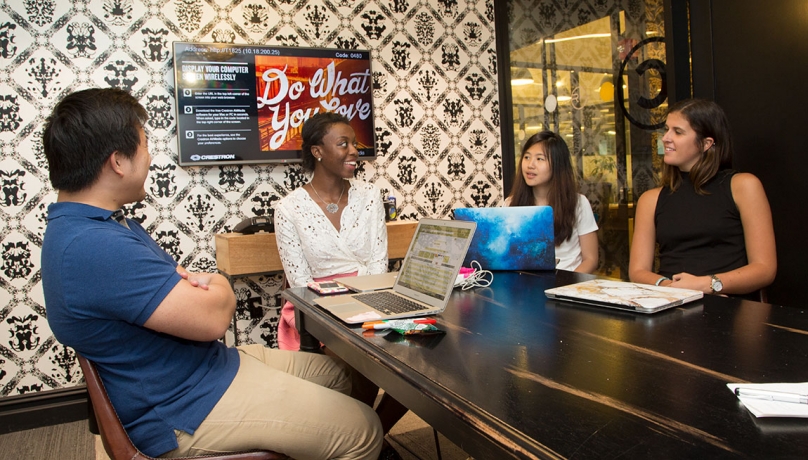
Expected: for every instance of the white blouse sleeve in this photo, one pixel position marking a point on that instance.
(378, 235)
(290, 249)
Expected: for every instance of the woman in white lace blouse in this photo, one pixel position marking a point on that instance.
(332, 226)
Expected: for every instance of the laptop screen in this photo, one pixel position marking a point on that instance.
(511, 238)
(434, 258)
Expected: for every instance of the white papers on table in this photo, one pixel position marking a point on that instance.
(767, 408)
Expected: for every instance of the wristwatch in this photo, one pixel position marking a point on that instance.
(715, 284)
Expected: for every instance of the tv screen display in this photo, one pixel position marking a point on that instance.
(247, 103)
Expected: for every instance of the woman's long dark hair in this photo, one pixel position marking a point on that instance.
(708, 120)
(563, 196)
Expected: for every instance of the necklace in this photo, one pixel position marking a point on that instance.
(330, 207)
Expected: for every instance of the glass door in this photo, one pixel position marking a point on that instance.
(594, 73)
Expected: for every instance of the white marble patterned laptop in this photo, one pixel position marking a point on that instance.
(640, 298)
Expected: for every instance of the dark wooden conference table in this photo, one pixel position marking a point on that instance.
(519, 375)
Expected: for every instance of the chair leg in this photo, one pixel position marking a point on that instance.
(92, 422)
(437, 443)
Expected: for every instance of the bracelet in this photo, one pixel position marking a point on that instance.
(661, 280)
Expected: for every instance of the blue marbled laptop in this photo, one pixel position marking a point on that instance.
(511, 238)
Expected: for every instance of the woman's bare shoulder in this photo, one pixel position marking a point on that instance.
(651, 195)
(747, 187)
(745, 180)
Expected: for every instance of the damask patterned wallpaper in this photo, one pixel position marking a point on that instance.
(437, 132)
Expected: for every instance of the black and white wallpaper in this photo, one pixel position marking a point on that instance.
(436, 116)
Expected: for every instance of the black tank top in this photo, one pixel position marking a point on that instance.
(699, 234)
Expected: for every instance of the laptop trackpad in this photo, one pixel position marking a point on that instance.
(351, 310)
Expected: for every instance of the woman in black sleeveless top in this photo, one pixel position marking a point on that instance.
(713, 225)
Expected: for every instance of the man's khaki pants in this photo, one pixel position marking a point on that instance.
(289, 402)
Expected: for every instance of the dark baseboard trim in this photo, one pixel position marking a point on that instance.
(45, 408)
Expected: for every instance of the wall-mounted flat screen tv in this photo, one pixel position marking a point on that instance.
(247, 103)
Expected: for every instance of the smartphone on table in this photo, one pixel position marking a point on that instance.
(327, 288)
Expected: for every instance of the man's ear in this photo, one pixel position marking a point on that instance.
(708, 143)
(114, 162)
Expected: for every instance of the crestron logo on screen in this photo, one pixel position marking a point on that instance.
(326, 88)
(212, 157)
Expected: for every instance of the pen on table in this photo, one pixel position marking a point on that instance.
(771, 395)
(385, 324)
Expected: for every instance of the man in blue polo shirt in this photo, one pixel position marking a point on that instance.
(152, 327)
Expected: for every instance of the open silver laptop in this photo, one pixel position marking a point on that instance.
(622, 295)
(424, 283)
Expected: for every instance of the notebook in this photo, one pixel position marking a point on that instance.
(425, 281)
(640, 298)
(511, 238)
(365, 283)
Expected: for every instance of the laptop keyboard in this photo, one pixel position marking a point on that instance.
(388, 303)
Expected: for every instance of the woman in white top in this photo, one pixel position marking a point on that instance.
(332, 226)
(545, 178)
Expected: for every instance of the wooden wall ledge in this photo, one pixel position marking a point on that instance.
(240, 255)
